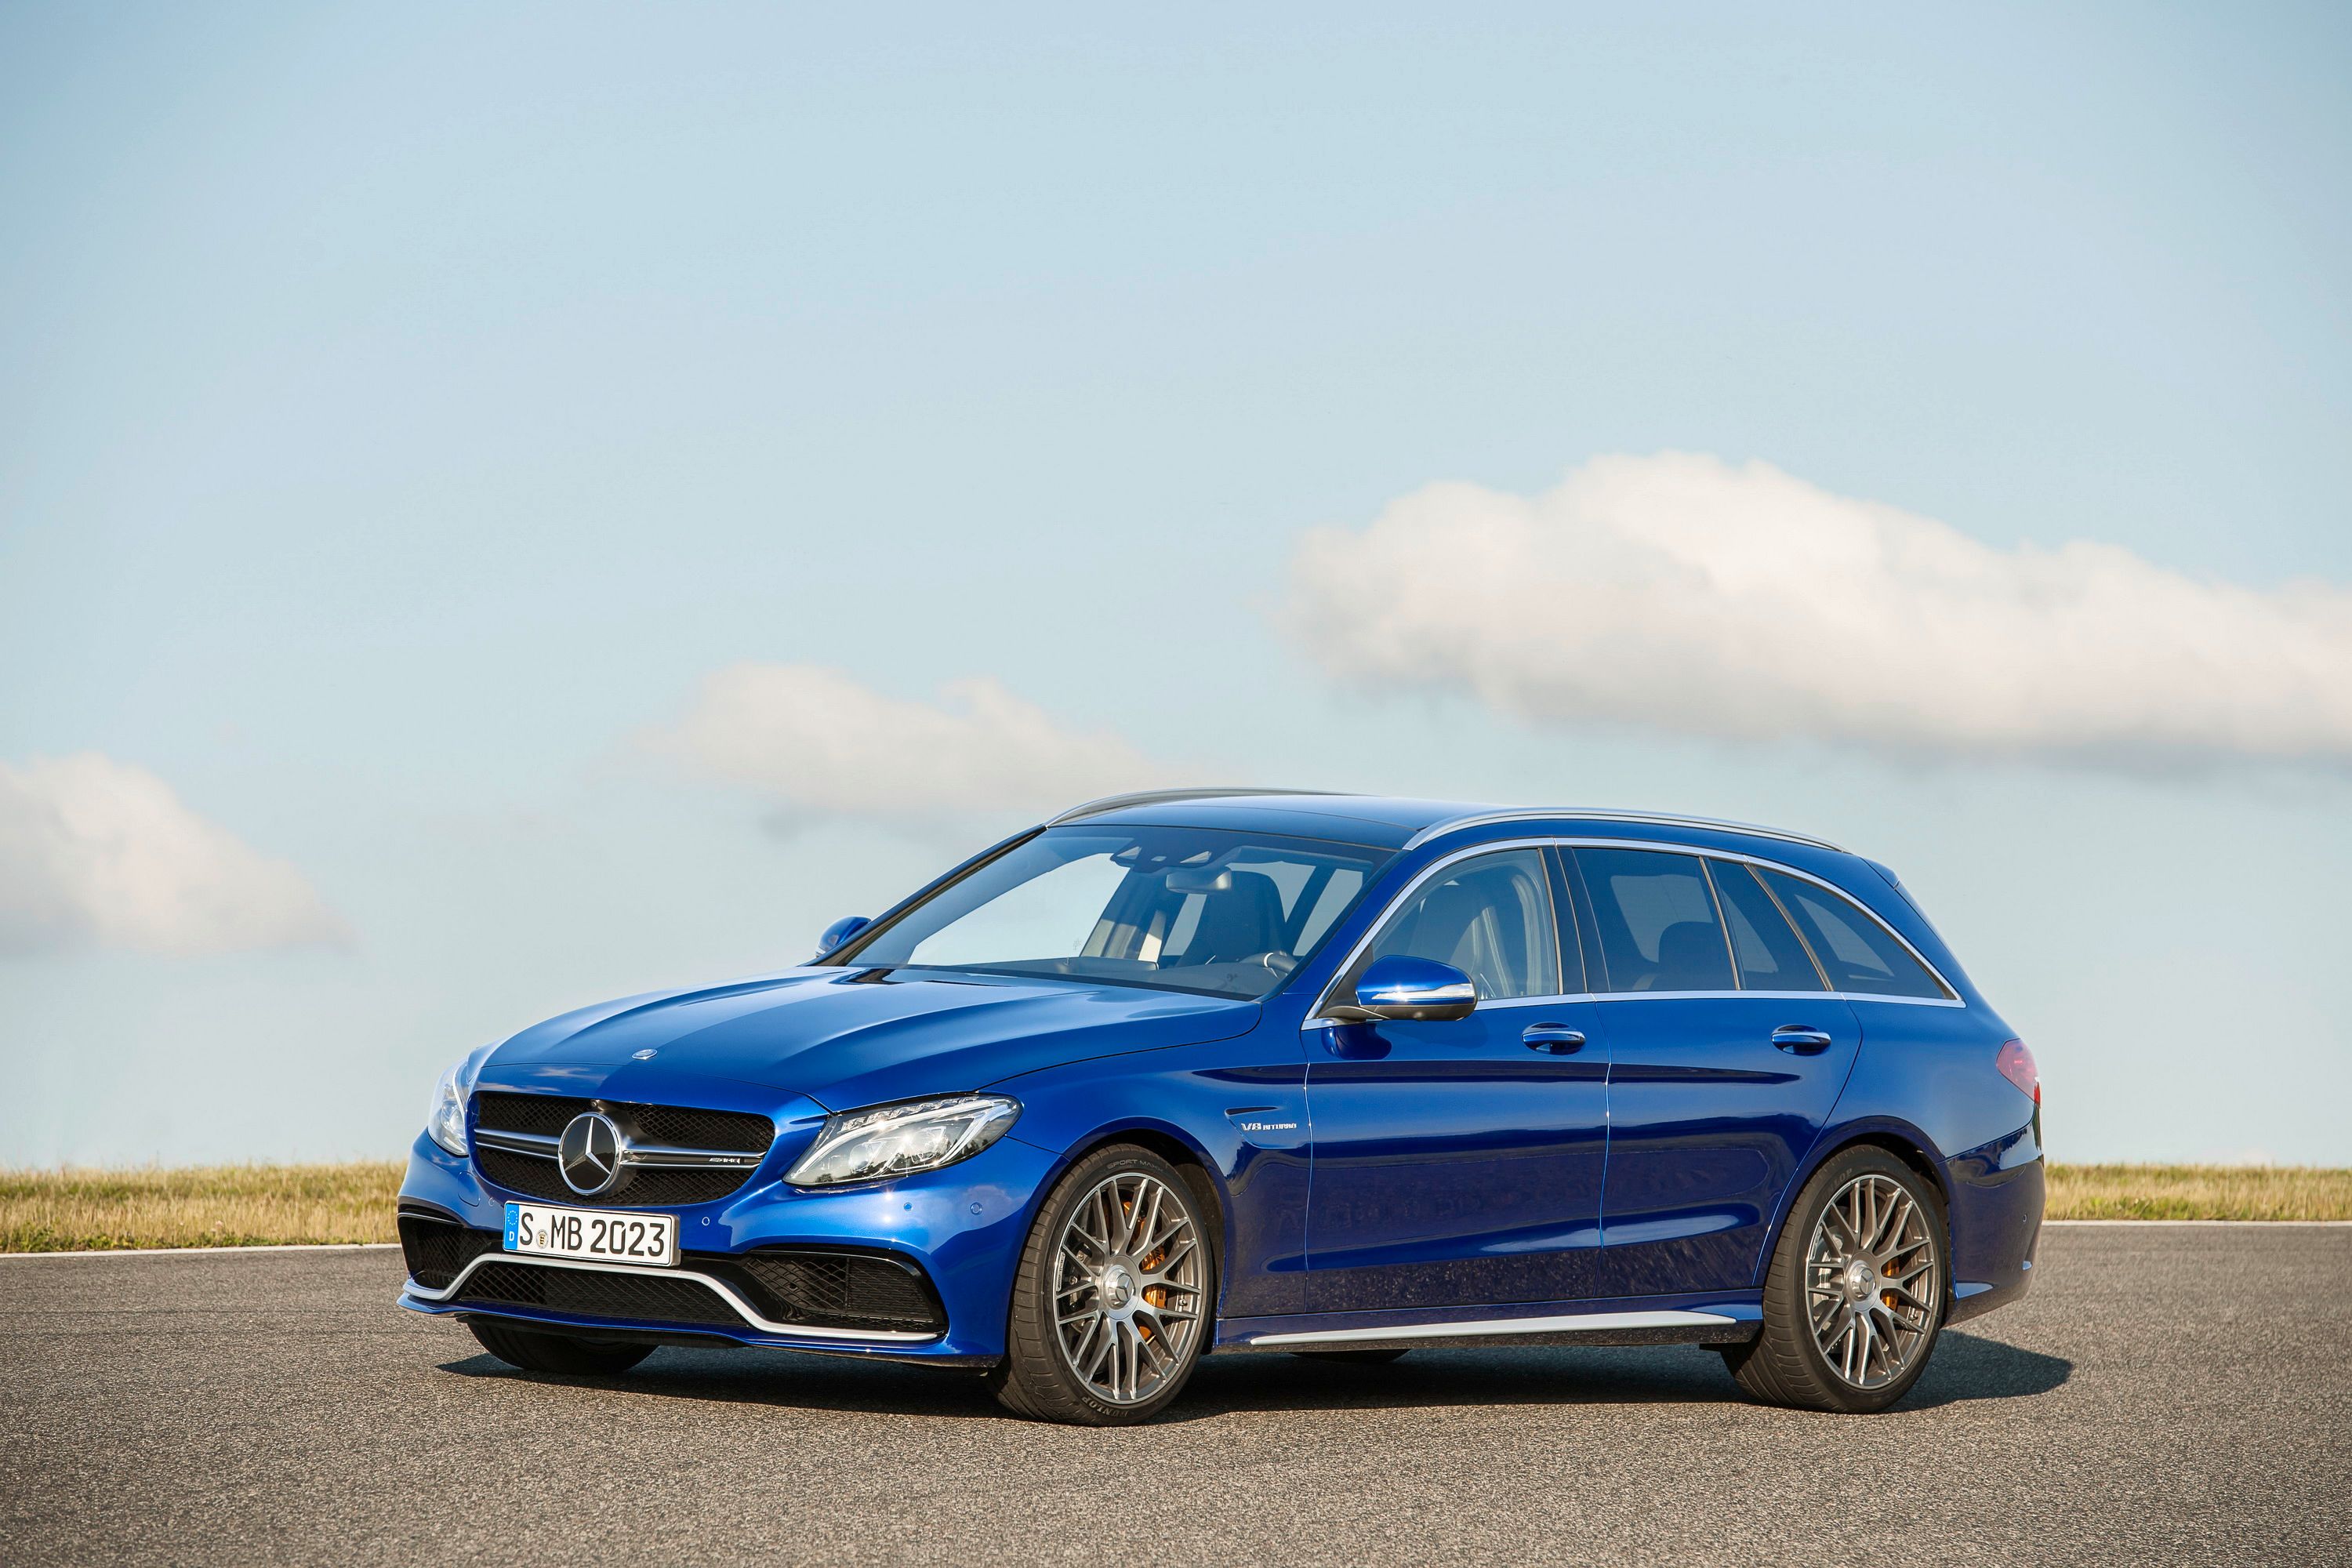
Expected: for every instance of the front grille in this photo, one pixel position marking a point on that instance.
(546, 1114)
(684, 1127)
(830, 1289)
(675, 1126)
(645, 1187)
(593, 1293)
(436, 1249)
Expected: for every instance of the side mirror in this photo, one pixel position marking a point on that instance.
(1402, 987)
(839, 932)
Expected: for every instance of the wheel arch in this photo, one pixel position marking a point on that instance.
(1192, 1163)
(1911, 1147)
(1898, 1138)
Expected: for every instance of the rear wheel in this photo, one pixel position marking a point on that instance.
(1854, 1299)
(1111, 1301)
(560, 1355)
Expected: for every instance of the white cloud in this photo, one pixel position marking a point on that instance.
(820, 742)
(1680, 592)
(97, 852)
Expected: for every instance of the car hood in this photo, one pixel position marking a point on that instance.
(851, 1038)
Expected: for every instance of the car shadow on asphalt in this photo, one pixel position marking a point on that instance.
(1970, 1367)
(1966, 1368)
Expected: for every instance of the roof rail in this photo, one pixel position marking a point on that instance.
(1605, 814)
(1110, 802)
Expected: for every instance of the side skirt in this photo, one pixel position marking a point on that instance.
(1714, 1322)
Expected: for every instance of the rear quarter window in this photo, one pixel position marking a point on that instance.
(1770, 956)
(1857, 953)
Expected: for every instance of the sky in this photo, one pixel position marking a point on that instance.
(506, 507)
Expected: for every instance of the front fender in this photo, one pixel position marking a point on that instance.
(1241, 1120)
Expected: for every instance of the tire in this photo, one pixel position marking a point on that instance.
(559, 1354)
(1124, 1356)
(1358, 1357)
(1881, 1301)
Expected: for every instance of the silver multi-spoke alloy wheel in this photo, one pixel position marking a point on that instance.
(1856, 1290)
(1872, 1284)
(1129, 1286)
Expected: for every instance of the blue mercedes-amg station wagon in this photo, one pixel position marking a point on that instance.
(1220, 1071)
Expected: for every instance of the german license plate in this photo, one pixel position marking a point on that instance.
(552, 1232)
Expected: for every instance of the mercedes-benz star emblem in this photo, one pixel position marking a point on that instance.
(590, 1153)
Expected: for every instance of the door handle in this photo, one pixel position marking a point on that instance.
(1557, 1038)
(1801, 1039)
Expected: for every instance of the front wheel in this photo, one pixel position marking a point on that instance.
(562, 1355)
(1111, 1301)
(1854, 1299)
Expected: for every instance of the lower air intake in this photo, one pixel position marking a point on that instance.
(835, 1289)
(435, 1249)
(591, 1293)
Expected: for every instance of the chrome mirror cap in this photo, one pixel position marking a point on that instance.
(1401, 988)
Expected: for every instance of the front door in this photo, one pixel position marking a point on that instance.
(1728, 1052)
(1460, 1163)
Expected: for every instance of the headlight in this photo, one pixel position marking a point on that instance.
(444, 1119)
(893, 1139)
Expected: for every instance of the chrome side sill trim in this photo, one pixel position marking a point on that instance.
(726, 1293)
(1579, 1322)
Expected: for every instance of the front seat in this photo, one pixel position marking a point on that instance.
(1458, 926)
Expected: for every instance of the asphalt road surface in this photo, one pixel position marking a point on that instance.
(2169, 1394)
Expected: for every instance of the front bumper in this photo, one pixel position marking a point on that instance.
(962, 1228)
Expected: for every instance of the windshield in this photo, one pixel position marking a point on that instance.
(1184, 909)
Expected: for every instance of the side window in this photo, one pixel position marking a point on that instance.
(1859, 953)
(1490, 917)
(1770, 956)
(1656, 921)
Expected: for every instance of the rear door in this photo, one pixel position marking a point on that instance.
(1728, 1052)
(1460, 1163)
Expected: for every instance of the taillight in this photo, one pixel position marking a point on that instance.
(2015, 1063)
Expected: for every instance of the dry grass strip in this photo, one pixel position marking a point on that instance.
(2198, 1192)
(79, 1210)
